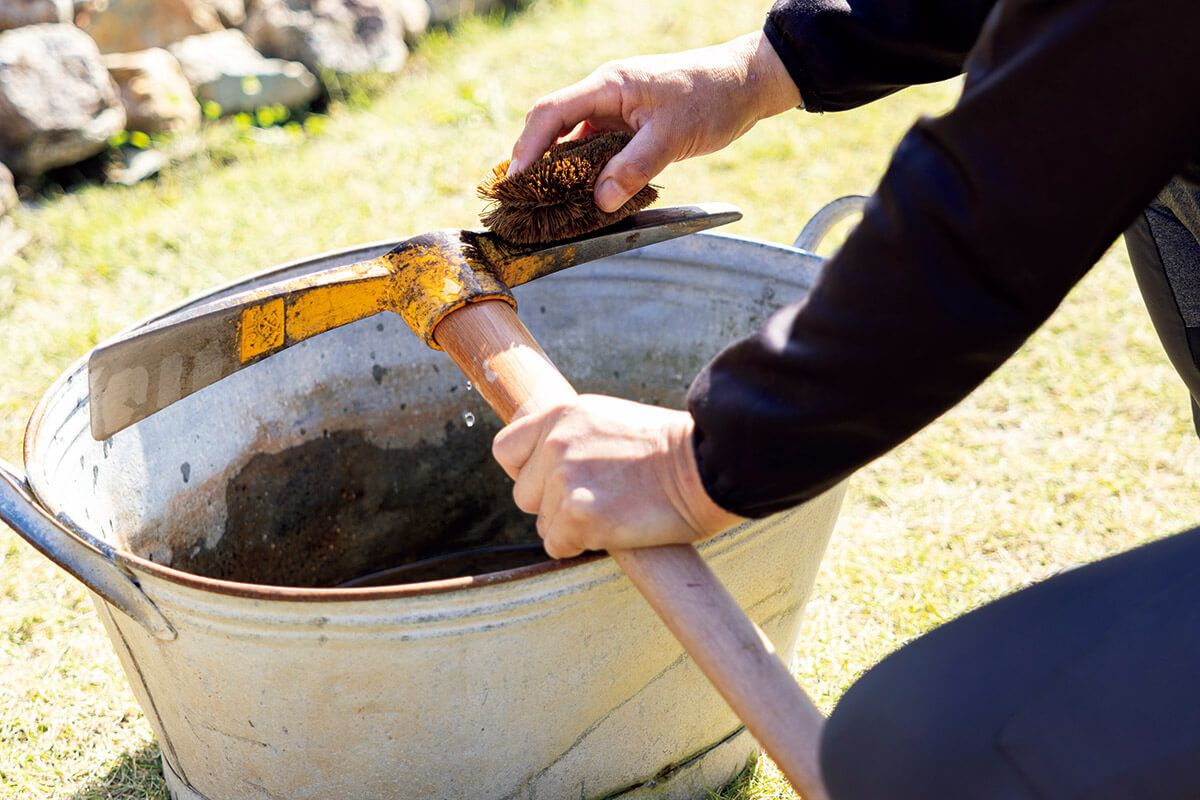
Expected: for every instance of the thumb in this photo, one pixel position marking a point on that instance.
(628, 172)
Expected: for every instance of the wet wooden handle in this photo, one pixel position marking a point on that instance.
(512, 372)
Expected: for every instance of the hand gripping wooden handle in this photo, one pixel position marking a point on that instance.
(510, 370)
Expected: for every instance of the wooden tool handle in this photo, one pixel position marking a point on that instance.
(499, 355)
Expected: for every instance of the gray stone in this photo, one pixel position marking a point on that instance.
(226, 69)
(125, 26)
(413, 16)
(58, 104)
(231, 12)
(155, 92)
(138, 166)
(8, 191)
(19, 13)
(345, 36)
(444, 12)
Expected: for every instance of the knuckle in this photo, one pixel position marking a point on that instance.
(557, 445)
(540, 110)
(500, 449)
(609, 72)
(588, 539)
(524, 498)
(576, 511)
(635, 173)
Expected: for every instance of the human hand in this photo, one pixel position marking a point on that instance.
(603, 473)
(677, 106)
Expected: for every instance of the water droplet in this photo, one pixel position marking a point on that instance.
(469, 418)
(469, 386)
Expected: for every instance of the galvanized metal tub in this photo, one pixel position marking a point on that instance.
(353, 451)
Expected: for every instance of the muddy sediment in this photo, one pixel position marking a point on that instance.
(339, 508)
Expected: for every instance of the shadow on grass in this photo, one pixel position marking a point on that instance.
(136, 776)
(758, 781)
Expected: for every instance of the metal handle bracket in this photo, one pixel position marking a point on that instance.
(823, 221)
(89, 561)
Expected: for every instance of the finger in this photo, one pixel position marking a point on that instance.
(581, 131)
(530, 487)
(515, 442)
(568, 534)
(557, 543)
(552, 116)
(546, 513)
(556, 551)
(628, 172)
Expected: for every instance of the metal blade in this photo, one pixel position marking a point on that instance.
(147, 370)
(515, 264)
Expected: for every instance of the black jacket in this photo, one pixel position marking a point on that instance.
(1075, 113)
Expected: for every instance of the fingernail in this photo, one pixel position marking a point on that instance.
(512, 169)
(609, 196)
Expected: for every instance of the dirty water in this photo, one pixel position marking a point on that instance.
(339, 510)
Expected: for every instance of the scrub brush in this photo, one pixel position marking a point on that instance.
(553, 198)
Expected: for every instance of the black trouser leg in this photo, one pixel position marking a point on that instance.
(1164, 249)
(1085, 686)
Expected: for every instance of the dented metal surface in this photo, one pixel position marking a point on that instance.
(545, 681)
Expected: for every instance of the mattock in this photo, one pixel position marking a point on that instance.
(452, 288)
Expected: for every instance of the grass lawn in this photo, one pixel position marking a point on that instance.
(1078, 448)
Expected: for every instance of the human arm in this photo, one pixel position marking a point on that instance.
(842, 54)
(677, 106)
(1073, 116)
(837, 54)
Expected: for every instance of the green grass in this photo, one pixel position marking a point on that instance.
(1078, 448)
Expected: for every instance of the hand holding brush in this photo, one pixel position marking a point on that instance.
(674, 106)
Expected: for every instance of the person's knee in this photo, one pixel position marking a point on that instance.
(862, 745)
(896, 736)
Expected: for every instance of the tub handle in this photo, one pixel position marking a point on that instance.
(83, 556)
(824, 220)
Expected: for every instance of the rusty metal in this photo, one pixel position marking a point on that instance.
(423, 279)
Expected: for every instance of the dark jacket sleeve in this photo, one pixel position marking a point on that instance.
(843, 53)
(1074, 114)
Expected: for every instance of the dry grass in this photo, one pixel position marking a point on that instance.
(1078, 448)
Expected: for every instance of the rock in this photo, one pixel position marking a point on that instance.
(12, 240)
(8, 191)
(231, 12)
(58, 104)
(345, 36)
(444, 12)
(413, 16)
(125, 26)
(138, 166)
(226, 69)
(19, 13)
(155, 92)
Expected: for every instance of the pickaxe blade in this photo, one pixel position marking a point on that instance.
(155, 365)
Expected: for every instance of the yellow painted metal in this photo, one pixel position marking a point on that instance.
(324, 308)
(422, 280)
(261, 330)
(524, 269)
(435, 277)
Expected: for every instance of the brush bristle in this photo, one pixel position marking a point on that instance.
(553, 198)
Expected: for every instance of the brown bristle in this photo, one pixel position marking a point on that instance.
(553, 198)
